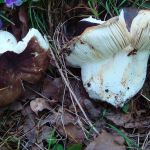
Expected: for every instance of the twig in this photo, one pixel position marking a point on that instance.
(71, 91)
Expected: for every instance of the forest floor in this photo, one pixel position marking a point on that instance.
(57, 113)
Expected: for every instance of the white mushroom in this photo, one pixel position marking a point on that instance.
(113, 60)
(7, 41)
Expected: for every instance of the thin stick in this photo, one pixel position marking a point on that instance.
(71, 91)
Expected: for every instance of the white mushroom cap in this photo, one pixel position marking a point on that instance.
(140, 30)
(113, 60)
(7, 41)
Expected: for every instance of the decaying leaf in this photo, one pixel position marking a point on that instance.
(29, 126)
(74, 132)
(59, 118)
(39, 104)
(106, 141)
(120, 118)
(94, 113)
(54, 89)
(45, 132)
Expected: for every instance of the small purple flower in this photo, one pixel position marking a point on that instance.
(10, 3)
(0, 23)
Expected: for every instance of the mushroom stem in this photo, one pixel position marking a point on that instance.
(116, 79)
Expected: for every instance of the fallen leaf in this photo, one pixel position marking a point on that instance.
(54, 89)
(16, 105)
(74, 132)
(94, 113)
(58, 118)
(23, 17)
(118, 117)
(45, 132)
(106, 141)
(29, 126)
(39, 104)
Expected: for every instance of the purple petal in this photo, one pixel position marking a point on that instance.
(0, 23)
(18, 2)
(10, 1)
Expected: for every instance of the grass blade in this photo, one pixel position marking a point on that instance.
(124, 136)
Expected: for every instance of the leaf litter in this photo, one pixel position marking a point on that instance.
(51, 104)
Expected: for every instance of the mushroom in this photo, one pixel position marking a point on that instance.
(112, 58)
(26, 60)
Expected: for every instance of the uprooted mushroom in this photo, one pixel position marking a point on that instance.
(26, 60)
(112, 58)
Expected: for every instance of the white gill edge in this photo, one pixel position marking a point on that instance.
(106, 41)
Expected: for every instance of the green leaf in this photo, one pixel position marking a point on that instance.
(36, 0)
(121, 3)
(125, 108)
(49, 140)
(147, 5)
(107, 7)
(6, 19)
(58, 147)
(24, 1)
(75, 147)
(2, 1)
(104, 113)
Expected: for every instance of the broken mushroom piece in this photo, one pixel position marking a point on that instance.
(113, 61)
(26, 60)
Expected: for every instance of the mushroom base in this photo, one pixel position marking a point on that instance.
(116, 79)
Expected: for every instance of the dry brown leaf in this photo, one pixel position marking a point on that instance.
(23, 17)
(118, 117)
(137, 123)
(16, 105)
(29, 126)
(45, 132)
(39, 104)
(54, 89)
(73, 132)
(58, 118)
(94, 113)
(106, 141)
(16, 29)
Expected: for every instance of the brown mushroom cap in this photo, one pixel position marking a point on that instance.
(29, 65)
